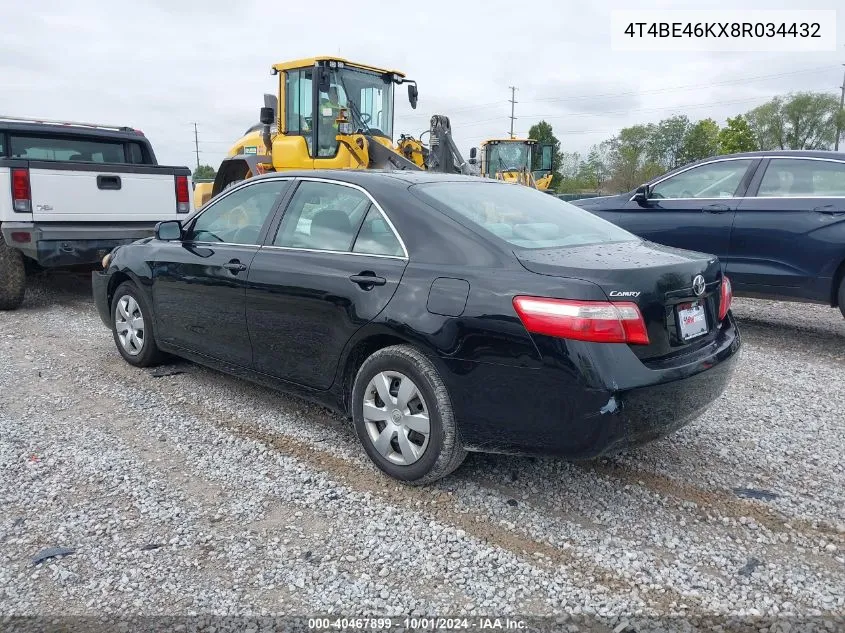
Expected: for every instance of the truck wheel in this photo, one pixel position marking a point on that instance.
(12, 277)
(403, 416)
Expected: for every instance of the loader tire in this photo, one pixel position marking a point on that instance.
(12, 277)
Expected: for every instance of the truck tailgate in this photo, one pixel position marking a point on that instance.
(94, 195)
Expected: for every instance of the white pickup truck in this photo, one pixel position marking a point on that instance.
(71, 192)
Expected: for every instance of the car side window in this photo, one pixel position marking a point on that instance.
(376, 237)
(795, 178)
(237, 218)
(322, 216)
(713, 180)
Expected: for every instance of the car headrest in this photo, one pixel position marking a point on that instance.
(331, 229)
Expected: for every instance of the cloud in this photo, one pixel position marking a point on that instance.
(160, 66)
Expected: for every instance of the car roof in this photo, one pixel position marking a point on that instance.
(793, 153)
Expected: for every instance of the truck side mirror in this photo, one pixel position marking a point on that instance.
(641, 194)
(168, 230)
(473, 155)
(267, 115)
(413, 94)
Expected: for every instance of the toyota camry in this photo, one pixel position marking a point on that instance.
(442, 314)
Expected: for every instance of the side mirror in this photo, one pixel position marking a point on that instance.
(473, 155)
(641, 194)
(267, 115)
(413, 94)
(168, 230)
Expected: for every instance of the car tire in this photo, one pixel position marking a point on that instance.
(12, 277)
(842, 296)
(426, 458)
(131, 316)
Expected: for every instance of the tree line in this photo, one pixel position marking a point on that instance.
(803, 120)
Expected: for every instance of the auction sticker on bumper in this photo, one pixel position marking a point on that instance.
(692, 320)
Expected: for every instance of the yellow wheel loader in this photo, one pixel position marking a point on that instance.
(512, 160)
(331, 113)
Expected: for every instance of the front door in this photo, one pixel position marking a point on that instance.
(199, 283)
(692, 209)
(331, 267)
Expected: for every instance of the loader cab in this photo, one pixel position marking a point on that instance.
(513, 160)
(314, 93)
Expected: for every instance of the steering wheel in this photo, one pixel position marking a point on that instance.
(366, 117)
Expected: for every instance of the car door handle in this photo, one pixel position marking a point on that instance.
(367, 280)
(829, 209)
(716, 208)
(234, 266)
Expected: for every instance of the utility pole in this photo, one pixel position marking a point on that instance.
(197, 145)
(513, 103)
(841, 113)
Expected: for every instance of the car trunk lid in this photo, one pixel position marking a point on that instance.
(659, 279)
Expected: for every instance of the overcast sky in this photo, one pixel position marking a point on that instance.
(159, 65)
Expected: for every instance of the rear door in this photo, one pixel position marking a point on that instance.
(789, 233)
(79, 179)
(691, 209)
(199, 283)
(331, 267)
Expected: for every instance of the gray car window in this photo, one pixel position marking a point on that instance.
(713, 180)
(794, 178)
(237, 218)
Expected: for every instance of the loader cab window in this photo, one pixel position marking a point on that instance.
(506, 157)
(298, 103)
(366, 96)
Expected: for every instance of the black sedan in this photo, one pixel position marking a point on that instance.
(776, 220)
(443, 314)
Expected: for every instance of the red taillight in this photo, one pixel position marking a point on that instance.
(183, 200)
(21, 194)
(596, 321)
(21, 237)
(726, 298)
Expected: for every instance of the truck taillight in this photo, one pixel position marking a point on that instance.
(726, 297)
(183, 198)
(595, 321)
(21, 193)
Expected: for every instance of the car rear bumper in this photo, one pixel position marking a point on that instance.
(609, 402)
(100, 287)
(61, 244)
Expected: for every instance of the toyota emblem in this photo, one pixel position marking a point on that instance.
(698, 285)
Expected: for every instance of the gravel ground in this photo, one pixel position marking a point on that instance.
(194, 492)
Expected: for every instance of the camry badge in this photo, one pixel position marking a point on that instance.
(698, 285)
(624, 293)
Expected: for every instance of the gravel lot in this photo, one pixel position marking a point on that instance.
(186, 491)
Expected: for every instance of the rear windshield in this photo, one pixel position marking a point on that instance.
(520, 215)
(74, 149)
